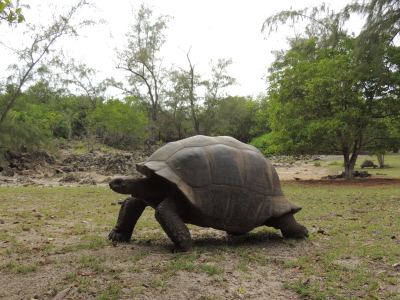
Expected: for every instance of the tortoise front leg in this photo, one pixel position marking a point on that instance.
(173, 225)
(131, 210)
(288, 226)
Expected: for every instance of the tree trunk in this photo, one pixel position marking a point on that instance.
(349, 163)
(381, 159)
(348, 168)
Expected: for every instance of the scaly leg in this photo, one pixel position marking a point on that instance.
(131, 210)
(173, 225)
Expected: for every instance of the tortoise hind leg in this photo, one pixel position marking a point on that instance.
(131, 210)
(173, 225)
(288, 226)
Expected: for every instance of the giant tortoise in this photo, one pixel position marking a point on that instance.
(216, 182)
(368, 164)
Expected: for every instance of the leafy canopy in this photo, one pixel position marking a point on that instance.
(320, 101)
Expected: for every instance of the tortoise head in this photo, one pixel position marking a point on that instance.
(121, 185)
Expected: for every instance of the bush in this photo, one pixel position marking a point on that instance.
(264, 143)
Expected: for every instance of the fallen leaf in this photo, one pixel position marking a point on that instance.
(305, 282)
(299, 268)
(241, 290)
(112, 245)
(25, 229)
(61, 295)
(46, 261)
(85, 273)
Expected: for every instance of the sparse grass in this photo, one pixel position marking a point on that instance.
(113, 292)
(242, 268)
(358, 237)
(26, 269)
(211, 269)
(353, 244)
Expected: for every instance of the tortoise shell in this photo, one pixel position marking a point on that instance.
(368, 163)
(228, 182)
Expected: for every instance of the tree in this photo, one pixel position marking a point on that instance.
(215, 92)
(319, 101)
(197, 97)
(141, 58)
(18, 128)
(83, 78)
(385, 138)
(42, 41)
(120, 123)
(184, 92)
(370, 51)
(236, 116)
(21, 131)
(382, 24)
(11, 13)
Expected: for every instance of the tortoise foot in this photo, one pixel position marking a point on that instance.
(300, 232)
(118, 236)
(288, 226)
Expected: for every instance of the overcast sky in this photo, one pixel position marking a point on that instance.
(212, 28)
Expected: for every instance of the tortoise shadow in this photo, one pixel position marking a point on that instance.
(249, 240)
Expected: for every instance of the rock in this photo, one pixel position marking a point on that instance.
(67, 169)
(8, 172)
(342, 174)
(70, 177)
(88, 181)
(99, 163)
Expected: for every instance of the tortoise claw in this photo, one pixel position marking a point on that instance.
(118, 237)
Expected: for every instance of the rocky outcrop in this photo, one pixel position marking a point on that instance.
(89, 168)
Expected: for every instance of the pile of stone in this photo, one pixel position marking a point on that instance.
(342, 174)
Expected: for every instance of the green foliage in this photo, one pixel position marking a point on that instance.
(120, 123)
(234, 116)
(42, 113)
(10, 13)
(385, 136)
(20, 132)
(34, 58)
(320, 102)
(265, 144)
